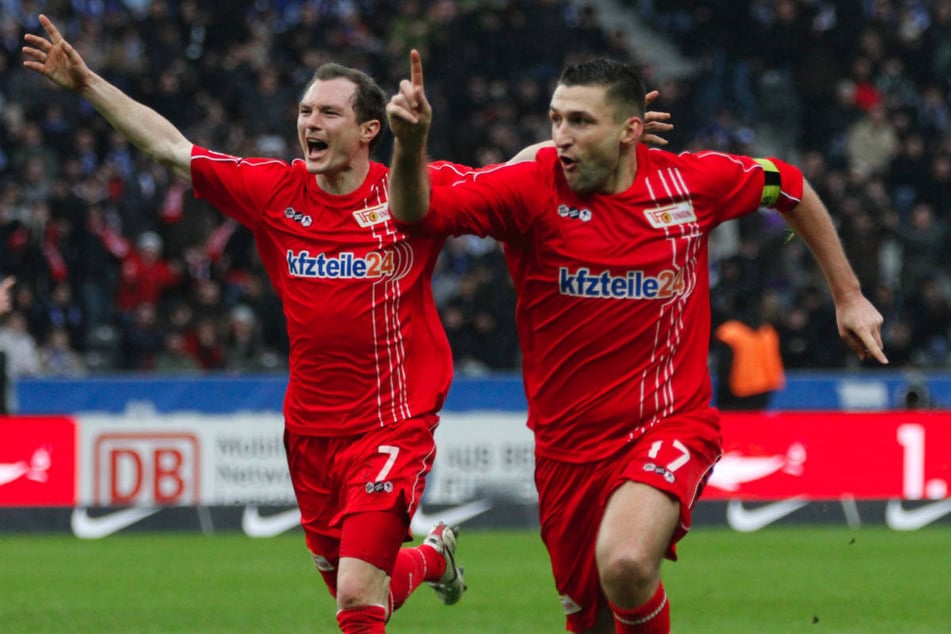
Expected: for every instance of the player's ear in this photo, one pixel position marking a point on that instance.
(370, 130)
(632, 130)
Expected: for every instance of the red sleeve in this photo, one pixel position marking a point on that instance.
(734, 185)
(485, 202)
(237, 187)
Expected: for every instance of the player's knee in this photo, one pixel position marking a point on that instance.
(352, 595)
(361, 585)
(626, 573)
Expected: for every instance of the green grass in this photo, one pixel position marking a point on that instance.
(778, 580)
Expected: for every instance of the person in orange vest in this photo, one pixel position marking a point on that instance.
(749, 363)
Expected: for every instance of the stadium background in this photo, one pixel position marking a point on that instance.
(854, 91)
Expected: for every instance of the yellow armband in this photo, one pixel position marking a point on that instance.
(772, 183)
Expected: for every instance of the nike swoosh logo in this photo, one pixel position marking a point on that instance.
(423, 522)
(86, 527)
(901, 519)
(747, 520)
(255, 525)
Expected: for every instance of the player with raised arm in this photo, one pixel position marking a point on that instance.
(369, 365)
(606, 241)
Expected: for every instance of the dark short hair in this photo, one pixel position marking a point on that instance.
(624, 84)
(369, 100)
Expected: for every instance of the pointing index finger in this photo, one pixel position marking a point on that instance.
(416, 68)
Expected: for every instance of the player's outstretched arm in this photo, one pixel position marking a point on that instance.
(860, 324)
(56, 59)
(409, 116)
(655, 124)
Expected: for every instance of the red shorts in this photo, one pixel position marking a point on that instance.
(674, 456)
(337, 477)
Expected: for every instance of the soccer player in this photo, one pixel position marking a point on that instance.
(606, 241)
(369, 365)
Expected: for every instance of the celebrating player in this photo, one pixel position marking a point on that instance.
(369, 365)
(606, 241)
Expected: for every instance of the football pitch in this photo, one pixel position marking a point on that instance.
(778, 580)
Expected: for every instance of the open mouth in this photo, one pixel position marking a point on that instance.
(315, 146)
(567, 162)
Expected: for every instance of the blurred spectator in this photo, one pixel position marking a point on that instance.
(801, 349)
(458, 318)
(871, 142)
(749, 364)
(908, 172)
(63, 312)
(96, 273)
(58, 358)
(862, 238)
(244, 350)
(18, 356)
(175, 358)
(930, 311)
(204, 344)
(255, 293)
(141, 339)
(924, 241)
(145, 276)
(936, 190)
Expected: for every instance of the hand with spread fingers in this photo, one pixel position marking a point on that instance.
(655, 123)
(55, 58)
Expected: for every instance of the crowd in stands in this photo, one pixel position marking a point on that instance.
(120, 268)
(856, 92)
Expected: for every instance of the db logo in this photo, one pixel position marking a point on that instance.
(146, 469)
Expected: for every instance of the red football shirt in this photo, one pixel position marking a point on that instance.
(367, 348)
(613, 306)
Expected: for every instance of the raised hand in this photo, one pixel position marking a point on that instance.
(408, 112)
(655, 123)
(55, 58)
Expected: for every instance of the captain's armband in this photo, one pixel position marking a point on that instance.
(772, 183)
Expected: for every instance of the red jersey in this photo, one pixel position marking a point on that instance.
(613, 305)
(367, 348)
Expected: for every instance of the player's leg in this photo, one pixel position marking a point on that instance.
(648, 510)
(636, 532)
(386, 476)
(573, 500)
(445, 577)
(358, 582)
(570, 507)
(369, 545)
(433, 561)
(318, 500)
